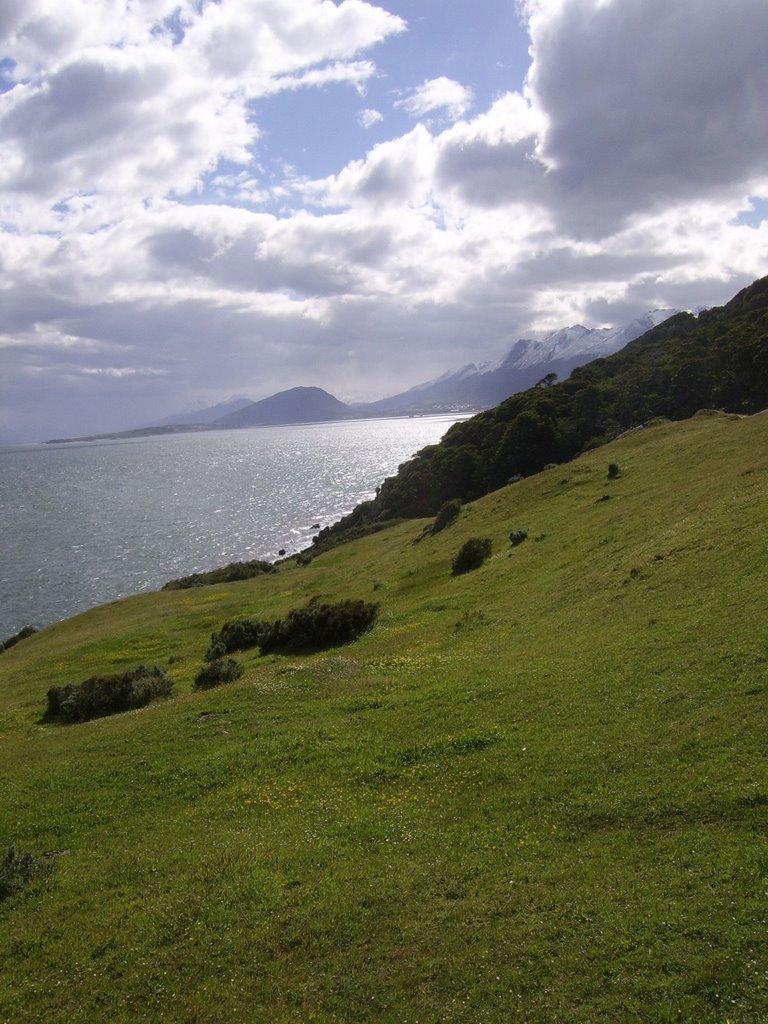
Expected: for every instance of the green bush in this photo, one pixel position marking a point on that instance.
(21, 635)
(446, 515)
(230, 573)
(235, 635)
(107, 695)
(471, 555)
(319, 625)
(222, 670)
(517, 537)
(18, 870)
(613, 470)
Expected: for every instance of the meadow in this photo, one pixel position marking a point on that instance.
(536, 791)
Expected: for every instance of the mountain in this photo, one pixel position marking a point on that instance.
(209, 414)
(718, 360)
(528, 361)
(297, 405)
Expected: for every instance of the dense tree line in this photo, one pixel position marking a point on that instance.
(718, 359)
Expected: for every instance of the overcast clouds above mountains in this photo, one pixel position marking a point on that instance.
(204, 197)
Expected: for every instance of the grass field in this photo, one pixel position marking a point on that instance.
(535, 792)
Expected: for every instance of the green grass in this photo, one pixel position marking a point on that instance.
(536, 792)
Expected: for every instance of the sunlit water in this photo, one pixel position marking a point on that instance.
(87, 523)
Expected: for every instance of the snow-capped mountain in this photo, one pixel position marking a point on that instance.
(478, 385)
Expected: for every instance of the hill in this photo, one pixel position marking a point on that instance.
(534, 792)
(477, 386)
(297, 405)
(716, 360)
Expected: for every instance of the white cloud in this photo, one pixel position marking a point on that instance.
(116, 99)
(608, 184)
(119, 372)
(368, 118)
(438, 94)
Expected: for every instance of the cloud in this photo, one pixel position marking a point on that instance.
(394, 172)
(152, 257)
(368, 118)
(148, 99)
(647, 103)
(438, 94)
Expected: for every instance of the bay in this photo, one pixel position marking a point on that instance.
(86, 523)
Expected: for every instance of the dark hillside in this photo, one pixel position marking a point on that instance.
(716, 360)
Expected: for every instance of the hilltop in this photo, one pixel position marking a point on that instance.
(534, 792)
(297, 405)
(718, 360)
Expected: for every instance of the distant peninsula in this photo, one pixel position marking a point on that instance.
(297, 405)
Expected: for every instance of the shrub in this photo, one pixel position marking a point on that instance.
(446, 515)
(230, 573)
(18, 870)
(613, 470)
(107, 695)
(471, 554)
(319, 625)
(234, 635)
(517, 537)
(21, 635)
(221, 670)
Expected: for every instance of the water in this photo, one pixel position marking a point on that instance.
(87, 523)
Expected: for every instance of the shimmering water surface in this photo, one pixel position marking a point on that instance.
(87, 523)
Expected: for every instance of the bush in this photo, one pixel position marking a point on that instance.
(18, 870)
(613, 470)
(319, 625)
(517, 537)
(235, 635)
(107, 695)
(222, 670)
(21, 635)
(471, 554)
(447, 514)
(226, 574)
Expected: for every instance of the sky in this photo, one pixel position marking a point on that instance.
(209, 198)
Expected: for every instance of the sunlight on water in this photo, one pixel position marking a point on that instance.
(84, 524)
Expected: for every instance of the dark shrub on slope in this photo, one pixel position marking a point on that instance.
(319, 625)
(222, 670)
(226, 574)
(107, 695)
(235, 635)
(11, 641)
(471, 555)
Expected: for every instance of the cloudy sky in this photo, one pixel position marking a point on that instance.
(215, 197)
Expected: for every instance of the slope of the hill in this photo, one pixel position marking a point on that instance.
(535, 792)
(716, 360)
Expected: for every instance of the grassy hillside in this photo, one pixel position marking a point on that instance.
(718, 360)
(535, 792)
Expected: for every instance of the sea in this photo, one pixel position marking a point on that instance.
(88, 522)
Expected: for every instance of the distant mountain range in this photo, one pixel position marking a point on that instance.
(481, 385)
(473, 387)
